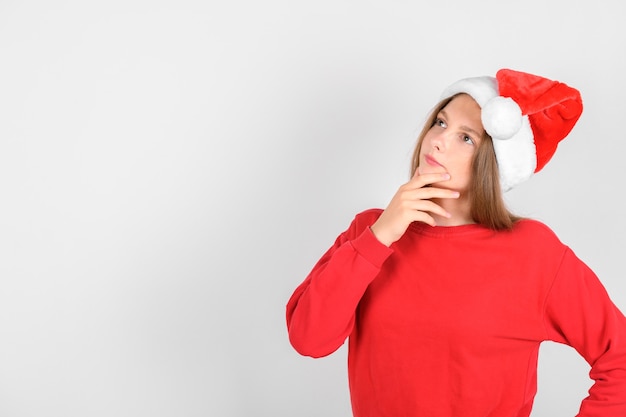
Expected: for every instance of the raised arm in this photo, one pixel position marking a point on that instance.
(321, 311)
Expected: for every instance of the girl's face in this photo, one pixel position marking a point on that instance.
(450, 144)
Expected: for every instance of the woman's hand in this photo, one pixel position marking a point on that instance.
(412, 202)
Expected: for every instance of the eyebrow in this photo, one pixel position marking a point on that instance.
(467, 128)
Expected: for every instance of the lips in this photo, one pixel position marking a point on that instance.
(432, 161)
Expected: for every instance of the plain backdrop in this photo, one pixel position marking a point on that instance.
(170, 171)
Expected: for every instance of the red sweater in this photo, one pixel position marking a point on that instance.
(448, 320)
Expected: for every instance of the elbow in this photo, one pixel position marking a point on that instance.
(307, 344)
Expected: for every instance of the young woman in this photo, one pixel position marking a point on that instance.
(445, 296)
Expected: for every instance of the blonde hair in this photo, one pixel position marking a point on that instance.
(487, 205)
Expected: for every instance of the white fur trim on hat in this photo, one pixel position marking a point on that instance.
(482, 89)
(502, 119)
(516, 156)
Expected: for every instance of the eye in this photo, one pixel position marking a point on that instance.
(439, 122)
(468, 140)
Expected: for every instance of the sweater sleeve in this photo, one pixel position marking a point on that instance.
(580, 313)
(321, 311)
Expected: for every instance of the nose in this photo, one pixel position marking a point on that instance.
(439, 142)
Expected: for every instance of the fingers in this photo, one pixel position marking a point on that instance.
(424, 217)
(428, 193)
(417, 199)
(420, 180)
(420, 210)
(428, 207)
(421, 185)
(413, 203)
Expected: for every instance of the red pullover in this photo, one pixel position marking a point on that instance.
(447, 322)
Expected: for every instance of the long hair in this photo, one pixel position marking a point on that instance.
(487, 205)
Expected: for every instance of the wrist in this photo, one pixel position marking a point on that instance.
(380, 236)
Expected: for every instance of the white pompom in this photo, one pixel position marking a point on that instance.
(501, 117)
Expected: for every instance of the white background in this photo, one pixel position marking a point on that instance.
(171, 170)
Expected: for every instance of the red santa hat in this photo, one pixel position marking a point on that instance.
(526, 116)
